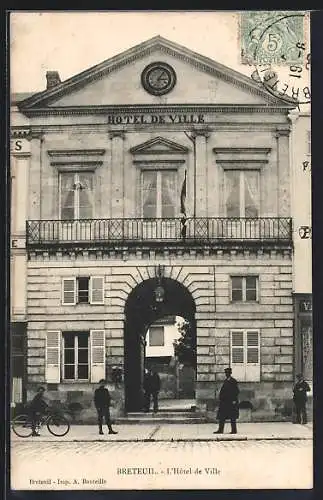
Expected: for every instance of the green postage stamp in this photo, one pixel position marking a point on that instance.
(272, 37)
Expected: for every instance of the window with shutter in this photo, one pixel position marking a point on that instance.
(97, 355)
(83, 290)
(237, 354)
(245, 355)
(53, 356)
(69, 291)
(253, 356)
(97, 290)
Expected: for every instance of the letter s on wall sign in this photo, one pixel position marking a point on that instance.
(18, 145)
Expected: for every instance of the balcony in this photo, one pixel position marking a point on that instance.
(143, 232)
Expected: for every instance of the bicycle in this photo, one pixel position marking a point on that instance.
(57, 424)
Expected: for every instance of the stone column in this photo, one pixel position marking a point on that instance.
(201, 191)
(117, 174)
(284, 188)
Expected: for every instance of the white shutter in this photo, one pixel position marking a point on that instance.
(69, 291)
(238, 355)
(53, 357)
(97, 346)
(253, 356)
(97, 290)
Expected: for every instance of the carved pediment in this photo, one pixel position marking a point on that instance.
(158, 145)
(117, 82)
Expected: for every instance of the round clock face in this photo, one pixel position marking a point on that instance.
(158, 78)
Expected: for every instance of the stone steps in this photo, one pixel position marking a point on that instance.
(160, 420)
(163, 417)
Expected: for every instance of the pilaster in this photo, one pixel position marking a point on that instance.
(35, 176)
(283, 162)
(201, 191)
(117, 173)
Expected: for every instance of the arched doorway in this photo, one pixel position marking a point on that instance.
(141, 311)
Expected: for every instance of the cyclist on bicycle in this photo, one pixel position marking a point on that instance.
(37, 407)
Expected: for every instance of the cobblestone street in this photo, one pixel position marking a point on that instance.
(108, 465)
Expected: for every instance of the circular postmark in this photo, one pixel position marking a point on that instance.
(279, 53)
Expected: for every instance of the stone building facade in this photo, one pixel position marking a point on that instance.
(159, 168)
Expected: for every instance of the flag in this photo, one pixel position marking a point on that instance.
(183, 208)
(183, 196)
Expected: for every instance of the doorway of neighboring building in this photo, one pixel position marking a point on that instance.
(151, 327)
(171, 351)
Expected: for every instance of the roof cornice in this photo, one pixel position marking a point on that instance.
(156, 108)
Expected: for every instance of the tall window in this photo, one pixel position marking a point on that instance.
(159, 194)
(242, 193)
(75, 356)
(76, 195)
(245, 355)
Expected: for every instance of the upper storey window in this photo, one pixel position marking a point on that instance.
(159, 193)
(242, 193)
(76, 195)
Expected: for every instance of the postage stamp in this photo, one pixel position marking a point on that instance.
(278, 52)
(271, 37)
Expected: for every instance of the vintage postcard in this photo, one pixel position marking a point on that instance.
(160, 250)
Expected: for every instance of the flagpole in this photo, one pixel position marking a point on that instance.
(192, 138)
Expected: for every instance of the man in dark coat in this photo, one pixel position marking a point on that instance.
(300, 397)
(229, 405)
(151, 388)
(102, 401)
(37, 407)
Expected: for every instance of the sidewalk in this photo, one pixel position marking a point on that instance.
(180, 432)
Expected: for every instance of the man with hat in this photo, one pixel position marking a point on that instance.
(102, 401)
(36, 408)
(300, 397)
(229, 405)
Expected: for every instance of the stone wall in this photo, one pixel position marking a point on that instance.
(208, 281)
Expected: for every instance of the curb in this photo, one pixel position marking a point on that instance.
(170, 440)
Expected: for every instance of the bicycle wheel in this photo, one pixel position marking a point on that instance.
(58, 425)
(21, 425)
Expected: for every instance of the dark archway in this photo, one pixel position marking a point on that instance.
(141, 311)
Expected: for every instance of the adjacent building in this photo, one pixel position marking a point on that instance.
(19, 171)
(302, 270)
(158, 185)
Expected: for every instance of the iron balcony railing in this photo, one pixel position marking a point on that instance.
(201, 229)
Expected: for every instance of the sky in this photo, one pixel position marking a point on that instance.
(71, 42)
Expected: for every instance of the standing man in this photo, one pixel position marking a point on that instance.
(300, 397)
(102, 401)
(37, 407)
(151, 388)
(229, 405)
